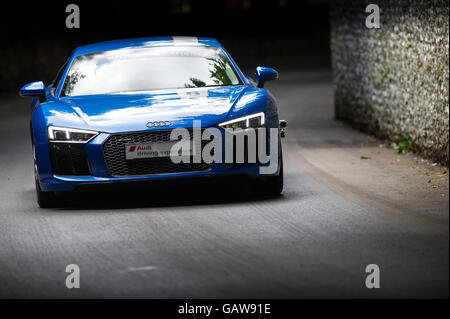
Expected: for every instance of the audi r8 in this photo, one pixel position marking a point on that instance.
(107, 117)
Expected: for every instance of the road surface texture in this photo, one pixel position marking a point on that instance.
(347, 203)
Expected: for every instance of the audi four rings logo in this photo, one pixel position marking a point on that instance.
(159, 124)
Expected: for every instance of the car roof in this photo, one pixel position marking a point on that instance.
(145, 42)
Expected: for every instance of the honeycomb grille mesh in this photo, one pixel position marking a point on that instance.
(114, 152)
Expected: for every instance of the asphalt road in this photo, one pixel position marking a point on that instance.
(347, 203)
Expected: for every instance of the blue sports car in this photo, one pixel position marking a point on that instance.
(108, 118)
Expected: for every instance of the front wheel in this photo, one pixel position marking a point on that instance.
(272, 186)
(44, 199)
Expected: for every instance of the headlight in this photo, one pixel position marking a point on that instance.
(249, 121)
(70, 135)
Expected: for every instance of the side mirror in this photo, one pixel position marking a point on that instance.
(264, 74)
(33, 89)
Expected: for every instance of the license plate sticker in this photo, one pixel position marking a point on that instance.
(159, 149)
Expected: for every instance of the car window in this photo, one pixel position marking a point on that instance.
(142, 69)
(55, 82)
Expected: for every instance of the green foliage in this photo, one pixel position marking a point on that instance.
(219, 73)
(402, 144)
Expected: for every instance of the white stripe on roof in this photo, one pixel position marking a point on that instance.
(177, 39)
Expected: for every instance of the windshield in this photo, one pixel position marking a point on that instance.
(142, 69)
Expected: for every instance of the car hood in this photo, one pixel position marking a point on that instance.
(131, 112)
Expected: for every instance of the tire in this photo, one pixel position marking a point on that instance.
(272, 186)
(275, 183)
(44, 199)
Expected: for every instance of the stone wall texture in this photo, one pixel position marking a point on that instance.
(395, 78)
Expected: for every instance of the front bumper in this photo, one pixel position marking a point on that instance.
(85, 183)
(100, 176)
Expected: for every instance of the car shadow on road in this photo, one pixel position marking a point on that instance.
(165, 196)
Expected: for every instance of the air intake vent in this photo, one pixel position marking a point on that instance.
(69, 159)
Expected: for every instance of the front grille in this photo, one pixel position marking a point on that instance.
(69, 159)
(114, 152)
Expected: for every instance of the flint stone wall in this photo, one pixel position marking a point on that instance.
(396, 78)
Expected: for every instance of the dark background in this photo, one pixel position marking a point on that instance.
(276, 33)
